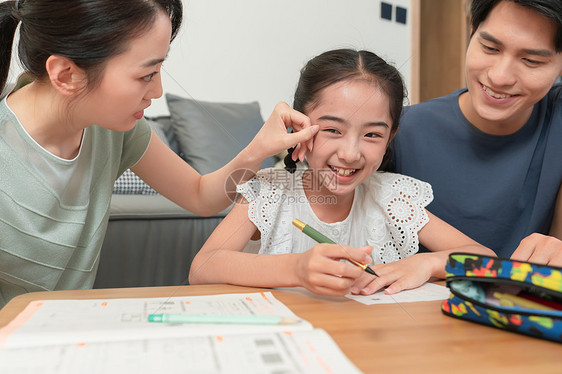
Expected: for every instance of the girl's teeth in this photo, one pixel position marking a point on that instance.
(344, 172)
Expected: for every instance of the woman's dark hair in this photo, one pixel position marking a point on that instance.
(88, 32)
(551, 9)
(342, 64)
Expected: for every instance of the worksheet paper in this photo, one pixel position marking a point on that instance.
(311, 351)
(114, 335)
(102, 320)
(426, 292)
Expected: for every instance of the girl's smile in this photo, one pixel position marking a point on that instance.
(343, 172)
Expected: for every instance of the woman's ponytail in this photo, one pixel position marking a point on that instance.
(8, 24)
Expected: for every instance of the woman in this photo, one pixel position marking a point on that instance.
(76, 124)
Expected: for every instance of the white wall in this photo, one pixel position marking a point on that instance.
(247, 50)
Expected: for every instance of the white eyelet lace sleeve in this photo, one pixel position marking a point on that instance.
(396, 216)
(267, 195)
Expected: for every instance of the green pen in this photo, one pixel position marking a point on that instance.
(221, 319)
(321, 238)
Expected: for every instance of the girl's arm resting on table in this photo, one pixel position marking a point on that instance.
(544, 249)
(205, 195)
(221, 260)
(411, 272)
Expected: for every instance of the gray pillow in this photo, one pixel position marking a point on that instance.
(211, 134)
(160, 130)
(129, 183)
(162, 125)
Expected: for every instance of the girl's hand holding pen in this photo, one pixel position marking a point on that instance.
(320, 270)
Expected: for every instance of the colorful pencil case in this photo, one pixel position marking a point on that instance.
(512, 295)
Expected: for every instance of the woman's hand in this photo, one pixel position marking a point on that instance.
(273, 137)
(320, 270)
(408, 273)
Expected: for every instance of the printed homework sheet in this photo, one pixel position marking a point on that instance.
(426, 292)
(114, 335)
(311, 351)
(76, 321)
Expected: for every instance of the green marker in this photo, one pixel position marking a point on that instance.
(221, 319)
(320, 238)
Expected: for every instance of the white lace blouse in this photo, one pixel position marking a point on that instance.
(388, 211)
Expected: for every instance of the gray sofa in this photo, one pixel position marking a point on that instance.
(151, 241)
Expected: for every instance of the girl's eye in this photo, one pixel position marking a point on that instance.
(148, 78)
(373, 135)
(332, 131)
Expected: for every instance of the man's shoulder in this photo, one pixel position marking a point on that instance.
(551, 104)
(554, 95)
(432, 107)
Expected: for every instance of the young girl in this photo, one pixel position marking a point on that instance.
(91, 63)
(356, 99)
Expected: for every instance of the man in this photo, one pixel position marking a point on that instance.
(493, 151)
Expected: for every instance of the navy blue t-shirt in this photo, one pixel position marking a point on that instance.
(496, 189)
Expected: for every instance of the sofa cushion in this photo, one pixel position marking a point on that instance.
(159, 129)
(162, 125)
(134, 207)
(210, 134)
(129, 183)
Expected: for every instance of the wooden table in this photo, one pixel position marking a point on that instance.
(390, 338)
